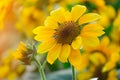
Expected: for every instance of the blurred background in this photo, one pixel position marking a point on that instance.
(19, 17)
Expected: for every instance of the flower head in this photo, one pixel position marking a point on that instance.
(93, 71)
(24, 53)
(105, 55)
(66, 32)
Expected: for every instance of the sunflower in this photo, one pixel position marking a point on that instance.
(105, 55)
(66, 32)
(93, 71)
(24, 53)
(21, 50)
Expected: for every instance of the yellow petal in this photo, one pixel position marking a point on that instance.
(92, 29)
(84, 61)
(90, 17)
(18, 55)
(66, 49)
(105, 41)
(104, 21)
(43, 37)
(75, 58)
(42, 29)
(117, 20)
(38, 29)
(77, 11)
(68, 16)
(97, 58)
(51, 22)
(90, 41)
(46, 46)
(54, 53)
(99, 3)
(59, 15)
(84, 75)
(115, 57)
(76, 44)
(110, 11)
(108, 66)
(4, 70)
(112, 74)
(43, 33)
(22, 46)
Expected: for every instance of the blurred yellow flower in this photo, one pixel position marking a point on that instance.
(113, 75)
(84, 75)
(110, 11)
(30, 17)
(108, 14)
(2, 15)
(99, 3)
(96, 54)
(5, 6)
(12, 76)
(104, 54)
(24, 53)
(20, 51)
(115, 34)
(4, 70)
(66, 32)
(9, 69)
(94, 71)
(113, 59)
(116, 21)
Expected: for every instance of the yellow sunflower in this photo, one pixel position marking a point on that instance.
(66, 32)
(21, 50)
(105, 55)
(94, 71)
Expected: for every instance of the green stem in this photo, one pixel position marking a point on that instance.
(44, 64)
(40, 68)
(73, 73)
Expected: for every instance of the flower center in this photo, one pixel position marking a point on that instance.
(98, 73)
(67, 32)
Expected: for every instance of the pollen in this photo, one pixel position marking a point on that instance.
(67, 32)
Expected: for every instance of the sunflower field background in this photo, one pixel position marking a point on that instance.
(59, 39)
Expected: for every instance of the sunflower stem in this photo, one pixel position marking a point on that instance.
(40, 68)
(44, 64)
(73, 73)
